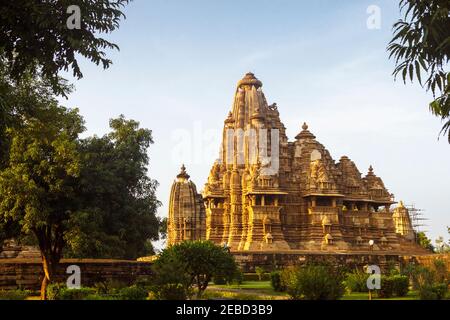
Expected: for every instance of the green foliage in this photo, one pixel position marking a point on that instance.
(97, 296)
(109, 286)
(433, 292)
(238, 277)
(276, 282)
(393, 285)
(424, 242)
(47, 45)
(170, 291)
(259, 271)
(117, 216)
(356, 281)
(431, 283)
(38, 185)
(255, 277)
(59, 291)
(400, 285)
(421, 46)
(14, 294)
(313, 282)
(133, 293)
(387, 287)
(218, 280)
(192, 264)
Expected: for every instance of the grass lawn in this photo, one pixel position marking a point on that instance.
(264, 290)
(412, 295)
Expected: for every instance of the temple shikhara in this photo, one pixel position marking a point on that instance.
(266, 193)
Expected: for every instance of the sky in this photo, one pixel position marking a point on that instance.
(320, 61)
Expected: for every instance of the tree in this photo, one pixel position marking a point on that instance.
(421, 43)
(117, 200)
(196, 262)
(424, 242)
(19, 101)
(78, 198)
(34, 36)
(441, 246)
(260, 272)
(37, 188)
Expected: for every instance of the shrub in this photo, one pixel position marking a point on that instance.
(219, 280)
(313, 282)
(255, 277)
(54, 291)
(109, 286)
(238, 277)
(14, 294)
(133, 293)
(276, 282)
(170, 291)
(357, 281)
(59, 291)
(400, 285)
(433, 292)
(192, 264)
(100, 297)
(387, 287)
(259, 271)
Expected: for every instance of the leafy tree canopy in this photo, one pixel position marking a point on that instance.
(424, 242)
(34, 36)
(421, 47)
(117, 200)
(38, 187)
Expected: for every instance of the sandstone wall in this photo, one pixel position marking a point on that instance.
(271, 261)
(427, 260)
(28, 274)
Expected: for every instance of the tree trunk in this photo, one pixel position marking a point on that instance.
(48, 276)
(50, 245)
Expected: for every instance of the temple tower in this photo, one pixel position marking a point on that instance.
(402, 222)
(265, 193)
(246, 207)
(186, 211)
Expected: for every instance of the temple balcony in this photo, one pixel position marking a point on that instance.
(323, 209)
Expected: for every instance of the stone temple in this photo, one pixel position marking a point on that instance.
(268, 194)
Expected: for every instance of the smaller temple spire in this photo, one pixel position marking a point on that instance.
(183, 174)
(370, 173)
(305, 134)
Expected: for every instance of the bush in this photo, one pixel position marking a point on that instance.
(238, 277)
(100, 297)
(191, 264)
(133, 293)
(14, 294)
(259, 271)
(219, 280)
(109, 286)
(400, 285)
(170, 291)
(357, 281)
(432, 283)
(59, 291)
(387, 287)
(276, 282)
(314, 282)
(433, 292)
(255, 277)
